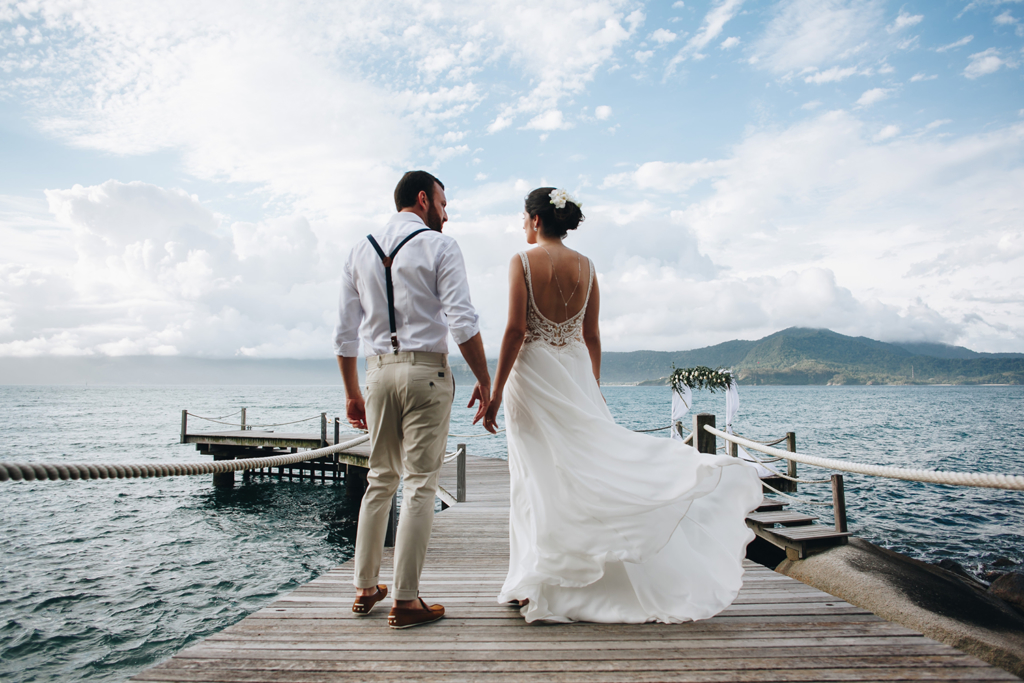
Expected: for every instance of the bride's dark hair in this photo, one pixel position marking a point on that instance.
(555, 222)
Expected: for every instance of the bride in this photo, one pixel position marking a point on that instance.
(605, 525)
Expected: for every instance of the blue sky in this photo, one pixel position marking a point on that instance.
(185, 178)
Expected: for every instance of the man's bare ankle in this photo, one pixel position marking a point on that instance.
(365, 592)
(407, 604)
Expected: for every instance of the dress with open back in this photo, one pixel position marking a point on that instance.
(608, 525)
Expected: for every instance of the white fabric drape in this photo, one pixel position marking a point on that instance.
(732, 406)
(680, 407)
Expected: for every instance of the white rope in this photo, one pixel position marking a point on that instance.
(475, 436)
(798, 500)
(448, 457)
(774, 471)
(17, 471)
(281, 424)
(1012, 482)
(219, 417)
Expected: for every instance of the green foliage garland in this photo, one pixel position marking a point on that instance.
(700, 377)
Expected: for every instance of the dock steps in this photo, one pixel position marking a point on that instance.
(796, 533)
(783, 517)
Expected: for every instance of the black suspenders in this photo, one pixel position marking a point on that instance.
(387, 261)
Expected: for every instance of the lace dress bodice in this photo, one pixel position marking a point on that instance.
(540, 329)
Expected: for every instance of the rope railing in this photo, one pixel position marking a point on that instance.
(1011, 482)
(15, 471)
(219, 417)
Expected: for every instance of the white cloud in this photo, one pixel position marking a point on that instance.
(714, 21)
(923, 77)
(730, 42)
(813, 104)
(872, 96)
(986, 62)
(889, 221)
(549, 120)
(889, 131)
(663, 36)
(809, 33)
(603, 112)
(904, 20)
(643, 56)
(832, 75)
(952, 46)
(154, 271)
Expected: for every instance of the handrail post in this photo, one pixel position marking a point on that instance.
(243, 419)
(337, 430)
(839, 502)
(734, 448)
(184, 424)
(460, 468)
(791, 447)
(392, 528)
(323, 429)
(703, 441)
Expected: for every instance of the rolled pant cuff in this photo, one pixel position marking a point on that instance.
(406, 594)
(366, 583)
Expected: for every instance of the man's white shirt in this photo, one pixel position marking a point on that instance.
(431, 293)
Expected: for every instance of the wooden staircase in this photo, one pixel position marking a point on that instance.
(796, 533)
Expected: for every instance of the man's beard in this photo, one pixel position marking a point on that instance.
(434, 221)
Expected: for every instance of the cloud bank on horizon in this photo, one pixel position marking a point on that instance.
(185, 178)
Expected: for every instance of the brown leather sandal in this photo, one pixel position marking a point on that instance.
(365, 603)
(407, 617)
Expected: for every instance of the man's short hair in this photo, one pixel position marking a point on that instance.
(410, 186)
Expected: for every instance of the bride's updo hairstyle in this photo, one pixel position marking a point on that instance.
(555, 222)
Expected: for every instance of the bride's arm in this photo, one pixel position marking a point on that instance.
(512, 341)
(592, 330)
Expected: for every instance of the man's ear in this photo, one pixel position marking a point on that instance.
(423, 200)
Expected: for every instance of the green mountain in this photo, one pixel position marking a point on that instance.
(815, 356)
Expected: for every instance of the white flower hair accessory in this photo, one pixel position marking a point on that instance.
(559, 197)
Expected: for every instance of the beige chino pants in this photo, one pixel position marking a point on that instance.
(408, 406)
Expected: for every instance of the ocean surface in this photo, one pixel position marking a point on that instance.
(101, 579)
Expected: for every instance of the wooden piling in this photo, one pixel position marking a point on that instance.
(791, 447)
(839, 502)
(705, 442)
(243, 419)
(460, 480)
(184, 425)
(323, 430)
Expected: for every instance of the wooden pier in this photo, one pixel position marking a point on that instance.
(778, 629)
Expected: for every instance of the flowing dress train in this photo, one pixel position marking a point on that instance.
(608, 525)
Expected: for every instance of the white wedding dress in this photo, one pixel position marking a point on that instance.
(608, 525)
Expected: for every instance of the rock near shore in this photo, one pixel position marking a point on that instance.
(943, 605)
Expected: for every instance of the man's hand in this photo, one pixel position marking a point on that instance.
(482, 393)
(355, 411)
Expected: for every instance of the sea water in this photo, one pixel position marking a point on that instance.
(101, 579)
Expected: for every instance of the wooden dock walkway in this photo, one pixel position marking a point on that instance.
(777, 630)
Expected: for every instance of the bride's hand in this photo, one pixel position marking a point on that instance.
(491, 415)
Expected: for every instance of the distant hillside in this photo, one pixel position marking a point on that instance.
(814, 356)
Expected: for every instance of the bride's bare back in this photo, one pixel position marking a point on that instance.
(560, 277)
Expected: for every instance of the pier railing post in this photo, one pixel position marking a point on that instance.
(337, 430)
(791, 447)
(702, 440)
(323, 429)
(243, 419)
(839, 502)
(392, 528)
(460, 481)
(184, 424)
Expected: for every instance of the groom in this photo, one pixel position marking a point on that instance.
(403, 289)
